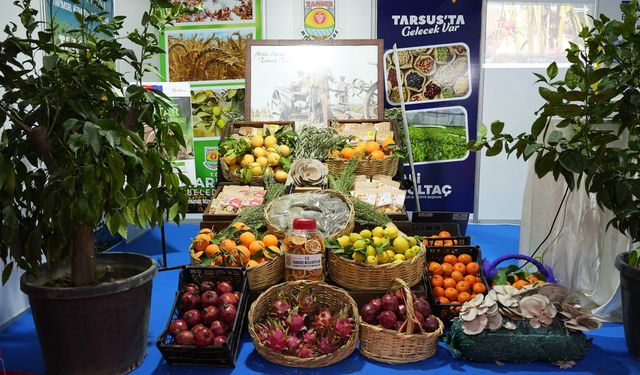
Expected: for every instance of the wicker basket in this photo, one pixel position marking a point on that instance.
(339, 232)
(390, 346)
(231, 129)
(354, 275)
(261, 276)
(327, 296)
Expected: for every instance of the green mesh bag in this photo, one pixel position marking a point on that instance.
(524, 344)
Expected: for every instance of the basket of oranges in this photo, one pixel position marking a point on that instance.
(240, 246)
(379, 156)
(454, 277)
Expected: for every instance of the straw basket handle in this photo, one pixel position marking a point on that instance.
(411, 321)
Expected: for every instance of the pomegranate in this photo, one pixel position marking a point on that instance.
(388, 319)
(400, 296)
(422, 306)
(196, 328)
(295, 321)
(207, 286)
(323, 321)
(209, 314)
(217, 328)
(191, 287)
(369, 313)
(192, 317)
(431, 324)
(280, 306)
(389, 302)
(177, 326)
(190, 301)
(377, 304)
(224, 287)
(228, 299)
(203, 337)
(402, 311)
(228, 313)
(219, 340)
(419, 318)
(209, 298)
(185, 338)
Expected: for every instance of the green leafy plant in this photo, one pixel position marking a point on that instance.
(71, 139)
(603, 157)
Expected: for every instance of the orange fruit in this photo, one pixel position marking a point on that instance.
(438, 291)
(457, 276)
(519, 284)
(464, 258)
(444, 233)
(335, 153)
(449, 283)
(479, 280)
(435, 268)
(212, 250)
(470, 279)
(451, 294)
(247, 238)
(206, 231)
(372, 147)
(201, 242)
(447, 269)
(244, 254)
(239, 225)
(443, 300)
(451, 259)
(270, 240)
(438, 243)
(462, 286)
(252, 263)
(447, 243)
(437, 280)
(347, 152)
(479, 288)
(460, 268)
(464, 297)
(198, 254)
(255, 247)
(377, 155)
(473, 268)
(262, 260)
(387, 142)
(218, 260)
(228, 245)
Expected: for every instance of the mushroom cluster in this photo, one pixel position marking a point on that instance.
(308, 172)
(537, 304)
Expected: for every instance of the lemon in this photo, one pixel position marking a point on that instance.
(267, 170)
(257, 141)
(233, 168)
(344, 241)
(400, 244)
(371, 260)
(256, 169)
(247, 160)
(359, 244)
(366, 234)
(216, 111)
(281, 176)
(412, 241)
(284, 150)
(399, 257)
(397, 260)
(270, 141)
(409, 254)
(391, 231)
(259, 151)
(377, 241)
(358, 256)
(371, 251)
(229, 161)
(383, 258)
(354, 237)
(262, 161)
(390, 253)
(378, 232)
(273, 159)
(416, 249)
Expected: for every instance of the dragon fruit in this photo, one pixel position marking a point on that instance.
(306, 301)
(292, 344)
(305, 352)
(263, 332)
(326, 346)
(277, 340)
(343, 324)
(281, 306)
(295, 321)
(323, 321)
(310, 337)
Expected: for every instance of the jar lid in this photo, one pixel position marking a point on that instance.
(304, 224)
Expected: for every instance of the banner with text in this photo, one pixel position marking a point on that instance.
(438, 46)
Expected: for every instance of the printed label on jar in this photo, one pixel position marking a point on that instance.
(303, 261)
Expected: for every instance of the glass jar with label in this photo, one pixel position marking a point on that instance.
(304, 252)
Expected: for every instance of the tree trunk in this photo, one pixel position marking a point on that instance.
(83, 257)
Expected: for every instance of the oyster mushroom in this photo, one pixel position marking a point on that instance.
(471, 309)
(494, 322)
(475, 326)
(308, 172)
(507, 295)
(579, 319)
(538, 309)
(509, 325)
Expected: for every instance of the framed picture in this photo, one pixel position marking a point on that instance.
(312, 82)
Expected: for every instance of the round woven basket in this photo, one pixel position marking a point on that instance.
(261, 276)
(391, 346)
(354, 275)
(327, 296)
(234, 177)
(280, 233)
(386, 166)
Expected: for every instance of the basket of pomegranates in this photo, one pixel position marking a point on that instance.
(206, 322)
(398, 327)
(304, 324)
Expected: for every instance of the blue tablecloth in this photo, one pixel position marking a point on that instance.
(608, 354)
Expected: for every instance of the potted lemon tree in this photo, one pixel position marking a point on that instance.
(603, 82)
(71, 153)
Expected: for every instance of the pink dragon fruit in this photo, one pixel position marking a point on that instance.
(310, 337)
(263, 332)
(323, 321)
(306, 301)
(281, 306)
(326, 346)
(292, 344)
(343, 324)
(277, 340)
(305, 352)
(295, 321)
